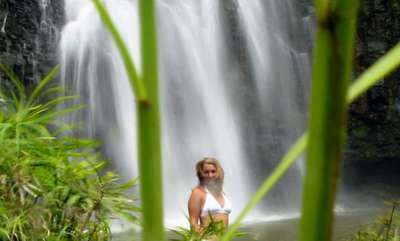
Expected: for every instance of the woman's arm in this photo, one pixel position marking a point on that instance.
(195, 204)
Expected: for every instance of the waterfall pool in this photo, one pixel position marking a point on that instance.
(346, 224)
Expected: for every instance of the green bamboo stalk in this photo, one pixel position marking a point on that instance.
(149, 133)
(137, 84)
(322, 9)
(332, 68)
(149, 130)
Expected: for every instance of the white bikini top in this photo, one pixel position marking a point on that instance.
(212, 206)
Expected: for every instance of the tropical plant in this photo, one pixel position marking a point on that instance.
(384, 228)
(53, 186)
(214, 229)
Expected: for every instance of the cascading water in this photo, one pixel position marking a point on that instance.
(244, 108)
(278, 43)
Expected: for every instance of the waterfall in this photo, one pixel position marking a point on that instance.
(278, 44)
(244, 108)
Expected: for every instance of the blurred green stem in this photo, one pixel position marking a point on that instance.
(332, 69)
(149, 130)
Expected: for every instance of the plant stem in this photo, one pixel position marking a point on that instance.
(149, 130)
(332, 68)
(149, 137)
(136, 83)
(390, 221)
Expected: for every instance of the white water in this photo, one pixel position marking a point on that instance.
(279, 44)
(208, 106)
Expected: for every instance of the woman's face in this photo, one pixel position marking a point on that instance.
(209, 173)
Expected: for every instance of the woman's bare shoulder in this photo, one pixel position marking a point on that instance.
(198, 191)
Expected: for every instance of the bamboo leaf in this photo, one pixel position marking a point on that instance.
(54, 114)
(16, 101)
(59, 100)
(3, 130)
(385, 65)
(37, 112)
(41, 131)
(73, 199)
(15, 80)
(42, 84)
(4, 233)
(137, 84)
(289, 158)
(53, 90)
(3, 96)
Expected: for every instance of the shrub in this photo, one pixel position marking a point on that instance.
(214, 229)
(384, 228)
(53, 186)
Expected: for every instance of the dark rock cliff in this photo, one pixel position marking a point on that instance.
(29, 34)
(373, 153)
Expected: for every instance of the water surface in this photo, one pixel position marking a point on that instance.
(346, 224)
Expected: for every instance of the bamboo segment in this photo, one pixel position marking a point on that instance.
(332, 67)
(149, 129)
(149, 137)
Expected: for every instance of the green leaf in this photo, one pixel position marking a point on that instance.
(15, 80)
(3, 130)
(53, 90)
(385, 65)
(130, 217)
(4, 234)
(48, 116)
(137, 84)
(55, 102)
(42, 84)
(73, 200)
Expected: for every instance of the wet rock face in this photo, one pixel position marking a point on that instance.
(374, 120)
(29, 34)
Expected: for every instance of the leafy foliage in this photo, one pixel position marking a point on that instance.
(385, 228)
(52, 186)
(213, 230)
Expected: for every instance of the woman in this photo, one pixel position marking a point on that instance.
(208, 199)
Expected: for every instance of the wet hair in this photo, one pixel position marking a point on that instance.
(209, 160)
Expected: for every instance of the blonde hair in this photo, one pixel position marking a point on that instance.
(209, 160)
